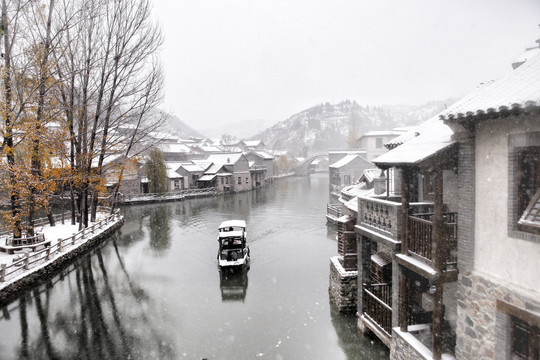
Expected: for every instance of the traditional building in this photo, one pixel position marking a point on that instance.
(373, 141)
(431, 289)
(498, 298)
(346, 171)
(261, 166)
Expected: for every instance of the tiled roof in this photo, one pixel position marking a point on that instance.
(171, 174)
(192, 167)
(224, 159)
(426, 140)
(518, 91)
(346, 160)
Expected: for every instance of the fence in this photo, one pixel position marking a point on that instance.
(30, 259)
(377, 304)
(421, 236)
(127, 198)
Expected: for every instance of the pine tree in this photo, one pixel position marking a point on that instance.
(156, 172)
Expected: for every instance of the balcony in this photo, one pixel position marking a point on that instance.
(383, 216)
(333, 212)
(377, 307)
(420, 244)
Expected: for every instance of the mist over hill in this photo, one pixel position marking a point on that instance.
(326, 126)
(180, 128)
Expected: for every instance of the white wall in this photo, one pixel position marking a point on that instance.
(503, 258)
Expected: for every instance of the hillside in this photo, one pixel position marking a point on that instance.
(181, 129)
(327, 126)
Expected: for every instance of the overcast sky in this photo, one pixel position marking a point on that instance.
(234, 60)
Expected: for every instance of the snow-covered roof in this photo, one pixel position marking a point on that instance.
(224, 159)
(383, 133)
(347, 152)
(346, 160)
(423, 141)
(171, 174)
(515, 92)
(204, 164)
(252, 143)
(210, 149)
(163, 136)
(191, 167)
(233, 223)
(370, 174)
(173, 148)
(262, 154)
(207, 177)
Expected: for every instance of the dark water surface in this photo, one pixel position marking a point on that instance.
(153, 291)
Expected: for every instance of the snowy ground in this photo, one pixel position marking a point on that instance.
(60, 231)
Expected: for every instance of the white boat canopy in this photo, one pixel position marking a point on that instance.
(233, 223)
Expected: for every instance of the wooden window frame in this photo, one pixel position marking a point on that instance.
(530, 321)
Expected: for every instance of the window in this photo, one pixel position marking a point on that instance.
(524, 186)
(222, 181)
(239, 180)
(378, 143)
(177, 184)
(528, 186)
(521, 338)
(525, 340)
(247, 181)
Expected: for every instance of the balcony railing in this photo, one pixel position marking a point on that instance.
(377, 305)
(384, 215)
(421, 237)
(334, 210)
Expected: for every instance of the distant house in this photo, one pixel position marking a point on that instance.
(190, 172)
(346, 171)
(373, 142)
(228, 172)
(175, 181)
(254, 145)
(261, 166)
(174, 151)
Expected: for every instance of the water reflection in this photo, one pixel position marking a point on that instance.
(233, 285)
(355, 345)
(97, 321)
(159, 227)
(152, 292)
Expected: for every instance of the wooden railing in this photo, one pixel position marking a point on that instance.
(334, 210)
(377, 304)
(31, 259)
(421, 237)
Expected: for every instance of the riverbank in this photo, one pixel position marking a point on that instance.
(25, 267)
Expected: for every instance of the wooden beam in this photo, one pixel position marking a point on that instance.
(403, 301)
(405, 187)
(438, 315)
(438, 253)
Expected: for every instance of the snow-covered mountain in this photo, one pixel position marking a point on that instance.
(181, 129)
(326, 126)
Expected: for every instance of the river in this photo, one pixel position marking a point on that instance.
(153, 291)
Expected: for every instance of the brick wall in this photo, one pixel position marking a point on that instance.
(466, 202)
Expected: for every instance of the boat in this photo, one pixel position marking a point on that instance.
(233, 250)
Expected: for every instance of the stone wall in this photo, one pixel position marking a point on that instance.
(482, 330)
(406, 347)
(343, 286)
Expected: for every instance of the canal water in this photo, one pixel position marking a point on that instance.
(153, 291)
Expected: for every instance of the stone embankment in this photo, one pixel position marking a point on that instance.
(26, 268)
